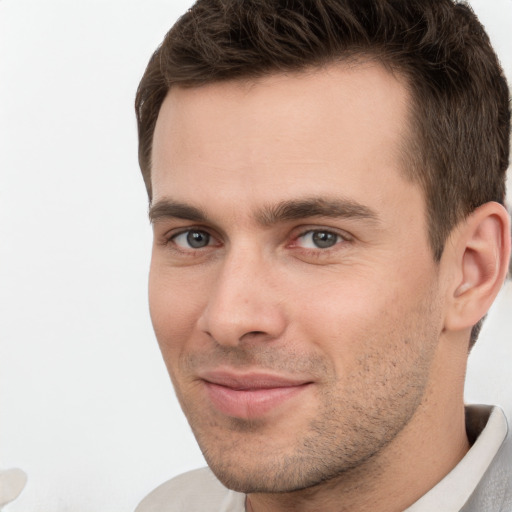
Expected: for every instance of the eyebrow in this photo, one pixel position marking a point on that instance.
(268, 215)
(315, 207)
(167, 208)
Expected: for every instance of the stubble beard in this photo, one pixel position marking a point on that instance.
(345, 436)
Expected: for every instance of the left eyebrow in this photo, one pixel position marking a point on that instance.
(315, 207)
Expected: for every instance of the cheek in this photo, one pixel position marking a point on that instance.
(353, 318)
(174, 308)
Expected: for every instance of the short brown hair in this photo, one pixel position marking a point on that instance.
(460, 114)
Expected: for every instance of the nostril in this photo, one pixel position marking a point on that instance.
(253, 334)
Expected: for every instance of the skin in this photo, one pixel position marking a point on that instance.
(311, 263)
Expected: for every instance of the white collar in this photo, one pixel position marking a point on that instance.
(454, 490)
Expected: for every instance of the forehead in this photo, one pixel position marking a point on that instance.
(283, 135)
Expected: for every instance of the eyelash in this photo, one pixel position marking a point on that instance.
(170, 240)
(341, 238)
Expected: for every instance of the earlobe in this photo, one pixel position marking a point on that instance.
(482, 251)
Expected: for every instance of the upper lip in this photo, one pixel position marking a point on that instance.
(252, 380)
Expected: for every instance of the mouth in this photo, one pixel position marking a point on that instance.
(251, 395)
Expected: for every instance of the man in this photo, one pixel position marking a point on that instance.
(326, 184)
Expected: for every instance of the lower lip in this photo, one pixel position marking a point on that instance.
(250, 403)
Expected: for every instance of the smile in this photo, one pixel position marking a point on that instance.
(250, 396)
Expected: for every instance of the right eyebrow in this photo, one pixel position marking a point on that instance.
(168, 209)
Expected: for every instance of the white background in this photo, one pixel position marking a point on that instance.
(86, 408)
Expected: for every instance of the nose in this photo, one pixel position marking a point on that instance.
(245, 302)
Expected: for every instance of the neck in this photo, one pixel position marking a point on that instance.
(421, 455)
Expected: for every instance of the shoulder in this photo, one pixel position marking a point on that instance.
(494, 492)
(195, 491)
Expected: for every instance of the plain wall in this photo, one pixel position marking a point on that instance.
(86, 407)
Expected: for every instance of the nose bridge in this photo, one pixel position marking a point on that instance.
(243, 300)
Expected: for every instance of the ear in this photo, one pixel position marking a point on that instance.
(480, 252)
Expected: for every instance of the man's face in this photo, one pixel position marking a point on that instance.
(292, 288)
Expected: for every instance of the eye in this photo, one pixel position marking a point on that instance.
(192, 239)
(319, 239)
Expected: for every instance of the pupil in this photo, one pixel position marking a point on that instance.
(322, 239)
(197, 239)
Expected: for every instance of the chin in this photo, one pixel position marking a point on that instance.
(276, 473)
